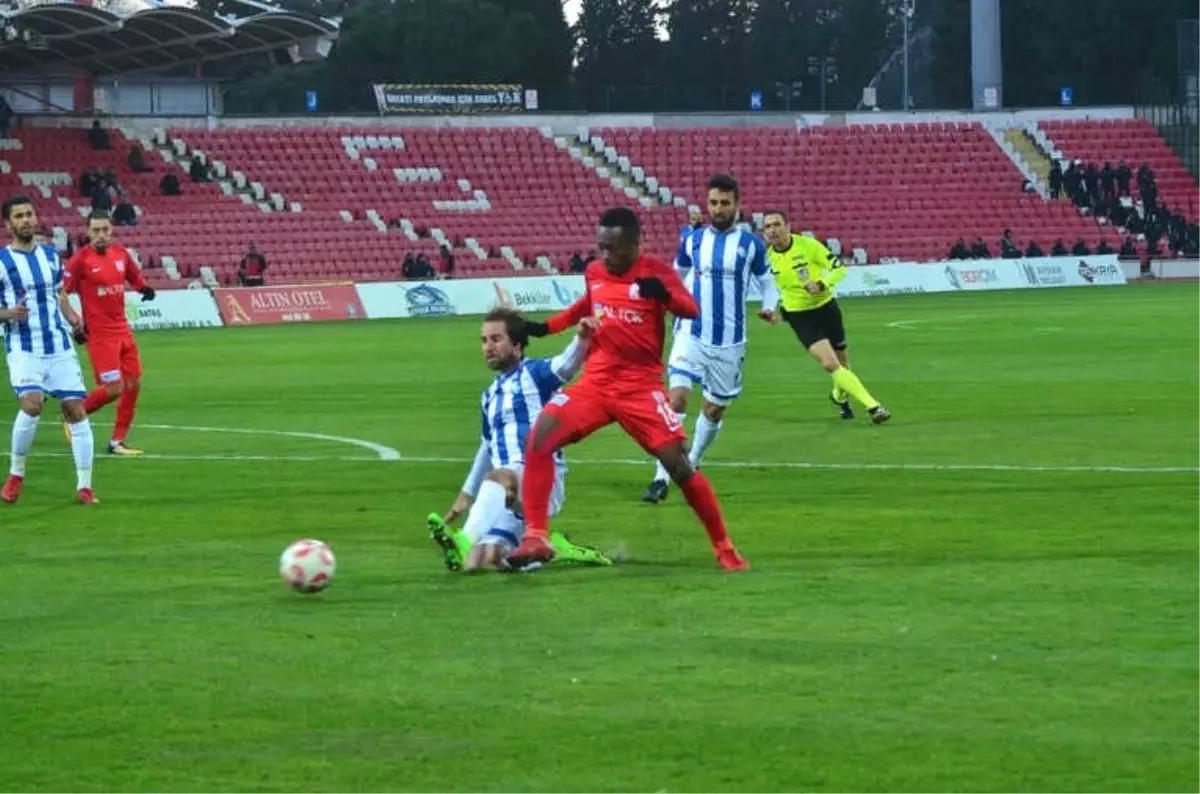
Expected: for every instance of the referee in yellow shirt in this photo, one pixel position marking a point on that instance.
(806, 273)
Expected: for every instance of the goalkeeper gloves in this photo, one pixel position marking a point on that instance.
(147, 293)
(652, 288)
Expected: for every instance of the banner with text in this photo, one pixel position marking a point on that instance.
(174, 308)
(469, 296)
(297, 304)
(481, 98)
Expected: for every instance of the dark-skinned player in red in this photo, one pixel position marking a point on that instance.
(99, 272)
(622, 382)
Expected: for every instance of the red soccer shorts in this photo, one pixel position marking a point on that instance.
(645, 415)
(114, 359)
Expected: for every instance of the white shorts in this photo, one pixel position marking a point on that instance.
(717, 369)
(58, 375)
(511, 527)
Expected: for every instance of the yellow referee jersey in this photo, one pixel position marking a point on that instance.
(805, 261)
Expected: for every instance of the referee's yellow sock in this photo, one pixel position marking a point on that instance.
(849, 383)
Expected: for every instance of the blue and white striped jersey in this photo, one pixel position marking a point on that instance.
(716, 266)
(34, 278)
(515, 399)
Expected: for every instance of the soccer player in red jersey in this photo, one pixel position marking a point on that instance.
(622, 382)
(99, 272)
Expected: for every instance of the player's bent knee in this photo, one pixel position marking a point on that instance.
(546, 435)
(714, 412)
(507, 480)
(73, 411)
(31, 404)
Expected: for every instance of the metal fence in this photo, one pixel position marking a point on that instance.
(1175, 109)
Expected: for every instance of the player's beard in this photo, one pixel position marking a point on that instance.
(721, 224)
(24, 238)
(99, 248)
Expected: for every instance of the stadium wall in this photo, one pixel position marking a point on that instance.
(201, 307)
(567, 124)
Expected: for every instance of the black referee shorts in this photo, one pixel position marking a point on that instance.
(823, 322)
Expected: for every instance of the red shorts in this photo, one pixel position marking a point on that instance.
(646, 416)
(114, 358)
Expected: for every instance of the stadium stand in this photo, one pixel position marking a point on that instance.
(513, 201)
(1137, 142)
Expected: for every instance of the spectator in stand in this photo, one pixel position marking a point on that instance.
(124, 214)
(1108, 182)
(1073, 181)
(1081, 248)
(6, 114)
(102, 196)
(1091, 180)
(578, 263)
(1056, 179)
(409, 268)
(1152, 248)
(137, 160)
(1192, 241)
(252, 270)
(425, 267)
(1008, 249)
(447, 261)
(169, 185)
(1034, 249)
(198, 171)
(1104, 248)
(696, 219)
(1129, 247)
(98, 137)
(1059, 248)
(1123, 175)
(979, 249)
(87, 183)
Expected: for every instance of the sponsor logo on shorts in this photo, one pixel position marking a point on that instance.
(112, 376)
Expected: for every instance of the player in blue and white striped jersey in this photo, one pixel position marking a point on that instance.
(509, 408)
(39, 326)
(717, 262)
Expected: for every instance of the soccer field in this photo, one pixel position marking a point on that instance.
(995, 591)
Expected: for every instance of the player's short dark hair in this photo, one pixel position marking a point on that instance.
(514, 324)
(781, 213)
(99, 215)
(725, 183)
(14, 201)
(622, 218)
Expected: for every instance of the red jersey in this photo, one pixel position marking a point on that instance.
(627, 349)
(100, 280)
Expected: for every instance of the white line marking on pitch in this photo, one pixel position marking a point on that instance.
(384, 452)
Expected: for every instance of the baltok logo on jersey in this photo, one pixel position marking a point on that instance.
(620, 314)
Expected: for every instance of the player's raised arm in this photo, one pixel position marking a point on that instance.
(566, 365)
(567, 318)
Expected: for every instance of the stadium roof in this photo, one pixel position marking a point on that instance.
(155, 40)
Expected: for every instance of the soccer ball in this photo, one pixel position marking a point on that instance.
(307, 566)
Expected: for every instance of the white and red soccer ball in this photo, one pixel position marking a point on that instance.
(307, 566)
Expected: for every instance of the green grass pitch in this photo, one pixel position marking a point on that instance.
(915, 620)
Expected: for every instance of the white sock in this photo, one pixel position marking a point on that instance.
(24, 429)
(706, 434)
(660, 471)
(83, 447)
(487, 511)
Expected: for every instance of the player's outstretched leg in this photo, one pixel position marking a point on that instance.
(23, 431)
(455, 545)
(537, 484)
(703, 500)
(660, 486)
(566, 551)
(83, 449)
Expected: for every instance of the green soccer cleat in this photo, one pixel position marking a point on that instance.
(573, 553)
(448, 539)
